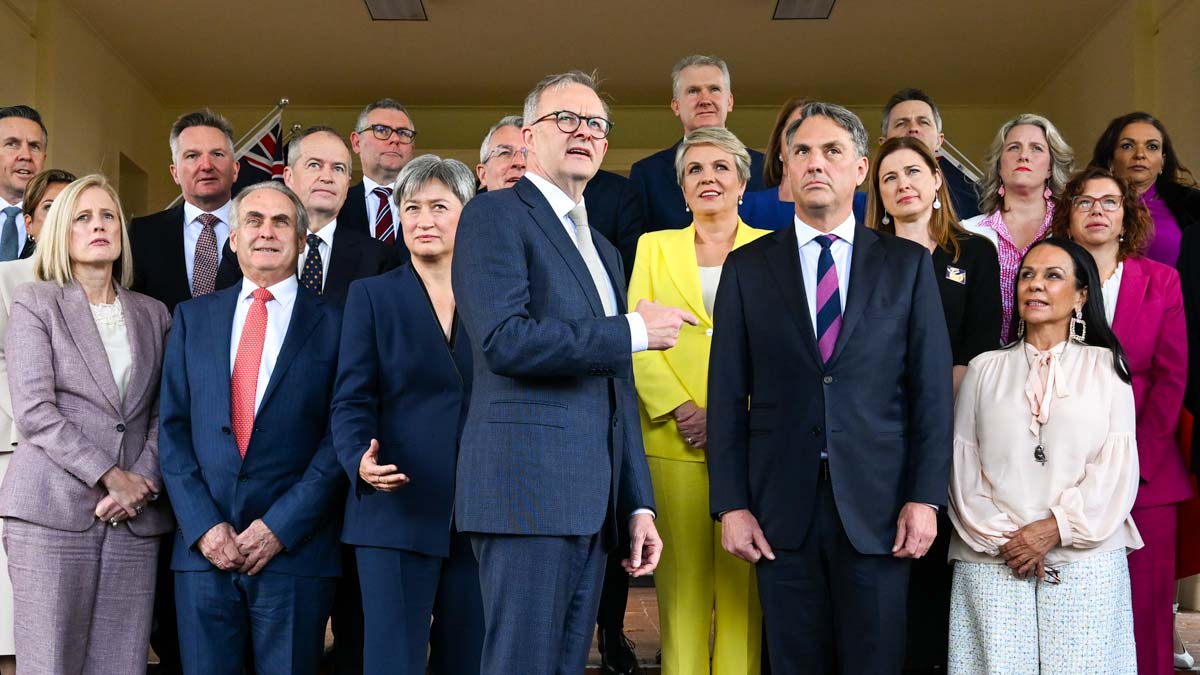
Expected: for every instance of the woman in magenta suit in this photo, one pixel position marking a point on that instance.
(1144, 304)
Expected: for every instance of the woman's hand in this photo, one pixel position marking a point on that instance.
(129, 490)
(1026, 549)
(108, 510)
(382, 477)
(692, 422)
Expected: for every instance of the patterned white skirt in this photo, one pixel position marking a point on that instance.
(1001, 625)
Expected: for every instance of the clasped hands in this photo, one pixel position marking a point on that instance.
(247, 552)
(1026, 549)
(128, 494)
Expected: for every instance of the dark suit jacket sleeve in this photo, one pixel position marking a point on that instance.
(355, 418)
(493, 291)
(34, 400)
(194, 507)
(930, 392)
(147, 463)
(307, 504)
(728, 398)
(982, 315)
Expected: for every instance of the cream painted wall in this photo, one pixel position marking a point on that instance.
(96, 107)
(1177, 76)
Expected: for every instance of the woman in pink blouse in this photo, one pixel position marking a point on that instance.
(1045, 474)
(1144, 305)
(1027, 165)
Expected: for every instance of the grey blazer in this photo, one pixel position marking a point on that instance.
(72, 422)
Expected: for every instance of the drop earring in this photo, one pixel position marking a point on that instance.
(1047, 193)
(687, 209)
(739, 200)
(1001, 190)
(1077, 322)
(886, 219)
(937, 203)
(1021, 329)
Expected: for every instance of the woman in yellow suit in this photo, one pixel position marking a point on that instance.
(697, 581)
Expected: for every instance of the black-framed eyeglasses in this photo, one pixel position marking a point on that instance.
(1107, 203)
(507, 154)
(383, 132)
(569, 122)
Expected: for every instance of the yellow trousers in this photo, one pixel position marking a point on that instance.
(698, 583)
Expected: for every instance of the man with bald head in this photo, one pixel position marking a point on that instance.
(23, 141)
(551, 462)
(701, 96)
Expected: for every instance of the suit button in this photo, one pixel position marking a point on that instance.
(121, 428)
(226, 430)
(828, 379)
(243, 477)
(815, 431)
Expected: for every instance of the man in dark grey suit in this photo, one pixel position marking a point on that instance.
(551, 461)
(830, 406)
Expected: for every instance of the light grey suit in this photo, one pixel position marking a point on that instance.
(76, 580)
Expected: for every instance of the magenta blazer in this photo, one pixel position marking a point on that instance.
(1149, 322)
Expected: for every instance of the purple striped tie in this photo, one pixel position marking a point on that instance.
(829, 300)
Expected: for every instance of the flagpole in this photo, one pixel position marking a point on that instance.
(256, 129)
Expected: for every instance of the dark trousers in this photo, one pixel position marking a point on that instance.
(614, 595)
(401, 591)
(164, 636)
(280, 617)
(929, 605)
(540, 596)
(830, 609)
(347, 619)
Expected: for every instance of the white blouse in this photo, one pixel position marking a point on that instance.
(110, 321)
(710, 277)
(1110, 289)
(1086, 425)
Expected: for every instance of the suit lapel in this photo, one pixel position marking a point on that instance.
(866, 261)
(78, 317)
(176, 259)
(1129, 298)
(544, 216)
(341, 258)
(220, 326)
(139, 327)
(680, 256)
(784, 260)
(305, 317)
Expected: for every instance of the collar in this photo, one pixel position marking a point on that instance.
(191, 212)
(326, 233)
(560, 203)
(806, 233)
(283, 291)
(4, 205)
(369, 185)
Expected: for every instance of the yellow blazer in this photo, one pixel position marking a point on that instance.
(665, 271)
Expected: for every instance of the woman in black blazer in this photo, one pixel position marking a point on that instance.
(908, 197)
(400, 400)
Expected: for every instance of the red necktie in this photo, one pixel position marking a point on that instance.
(244, 383)
(383, 217)
(204, 263)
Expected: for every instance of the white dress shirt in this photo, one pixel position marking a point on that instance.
(192, 229)
(810, 251)
(373, 206)
(325, 234)
(279, 316)
(20, 222)
(561, 204)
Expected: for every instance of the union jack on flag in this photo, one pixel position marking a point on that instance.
(261, 157)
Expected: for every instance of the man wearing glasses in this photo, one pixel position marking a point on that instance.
(502, 155)
(383, 140)
(551, 463)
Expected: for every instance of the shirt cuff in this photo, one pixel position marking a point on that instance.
(638, 512)
(638, 338)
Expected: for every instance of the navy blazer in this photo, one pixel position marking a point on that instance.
(552, 444)
(159, 261)
(882, 406)
(401, 383)
(353, 216)
(615, 210)
(290, 477)
(661, 195)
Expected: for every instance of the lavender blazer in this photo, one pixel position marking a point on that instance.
(73, 425)
(1149, 322)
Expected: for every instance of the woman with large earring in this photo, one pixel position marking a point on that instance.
(1044, 476)
(1027, 165)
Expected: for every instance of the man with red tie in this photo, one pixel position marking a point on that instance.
(247, 456)
(383, 138)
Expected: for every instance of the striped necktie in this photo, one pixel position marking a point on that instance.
(384, 231)
(829, 298)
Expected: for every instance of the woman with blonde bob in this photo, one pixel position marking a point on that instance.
(79, 499)
(697, 581)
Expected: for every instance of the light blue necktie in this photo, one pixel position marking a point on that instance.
(8, 235)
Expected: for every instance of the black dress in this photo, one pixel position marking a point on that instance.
(970, 290)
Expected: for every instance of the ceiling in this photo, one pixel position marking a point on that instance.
(489, 52)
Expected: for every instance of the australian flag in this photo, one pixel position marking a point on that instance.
(261, 157)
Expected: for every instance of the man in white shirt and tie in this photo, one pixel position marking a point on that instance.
(383, 138)
(23, 140)
(181, 252)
